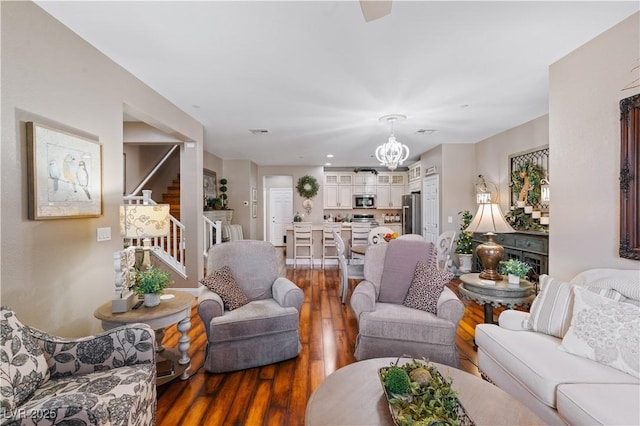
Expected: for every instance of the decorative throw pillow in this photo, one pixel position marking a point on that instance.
(400, 263)
(550, 312)
(23, 366)
(605, 331)
(426, 287)
(222, 283)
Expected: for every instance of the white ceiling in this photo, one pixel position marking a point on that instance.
(317, 76)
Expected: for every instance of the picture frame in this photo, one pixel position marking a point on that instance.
(209, 184)
(254, 195)
(64, 174)
(254, 210)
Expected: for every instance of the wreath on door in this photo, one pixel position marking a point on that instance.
(307, 186)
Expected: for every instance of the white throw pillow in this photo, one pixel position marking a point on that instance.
(550, 311)
(605, 331)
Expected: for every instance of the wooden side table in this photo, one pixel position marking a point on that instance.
(495, 293)
(174, 307)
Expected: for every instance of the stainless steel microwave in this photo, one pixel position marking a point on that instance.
(364, 201)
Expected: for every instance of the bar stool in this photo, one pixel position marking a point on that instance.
(302, 239)
(359, 236)
(328, 242)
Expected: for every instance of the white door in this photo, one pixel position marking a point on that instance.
(430, 209)
(281, 208)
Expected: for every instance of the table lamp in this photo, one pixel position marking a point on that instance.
(144, 221)
(489, 221)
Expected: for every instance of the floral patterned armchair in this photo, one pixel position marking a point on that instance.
(108, 379)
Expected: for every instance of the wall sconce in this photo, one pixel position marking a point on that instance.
(484, 193)
(545, 192)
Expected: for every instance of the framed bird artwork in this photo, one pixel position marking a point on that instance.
(65, 174)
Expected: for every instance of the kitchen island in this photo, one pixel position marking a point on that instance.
(317, 243)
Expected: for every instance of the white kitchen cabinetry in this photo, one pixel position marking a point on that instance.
(389, 190)
(415, 177)
(338, 197)
(338, 178)
(364, 183)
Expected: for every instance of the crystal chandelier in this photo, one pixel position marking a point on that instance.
(392, 153)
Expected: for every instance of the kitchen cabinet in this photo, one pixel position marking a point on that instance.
(415, 177)
(389, 190)
(338, 197)
(389, 196)
(338, 178)
(364, 183)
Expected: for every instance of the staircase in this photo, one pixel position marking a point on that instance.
(172, 197)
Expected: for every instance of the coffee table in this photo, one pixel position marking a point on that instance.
(495, 293)
(353, 395)
(174, 307)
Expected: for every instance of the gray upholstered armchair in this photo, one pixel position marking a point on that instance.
(390, 329)
(260, 332)
(108, 379)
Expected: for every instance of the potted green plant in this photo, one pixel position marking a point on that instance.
(514, 269)
(223, 193)
(150, 283)
(464, 241)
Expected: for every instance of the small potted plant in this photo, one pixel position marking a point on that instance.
(150, 283)
(463, 244)
(514, 269)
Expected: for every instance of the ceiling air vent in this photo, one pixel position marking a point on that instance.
(259, 131)
(425, 131)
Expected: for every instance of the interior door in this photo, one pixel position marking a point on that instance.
(281, 208)
(430, 209)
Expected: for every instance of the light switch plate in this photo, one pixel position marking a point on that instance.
(104, 234)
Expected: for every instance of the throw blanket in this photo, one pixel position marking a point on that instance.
(400, 265)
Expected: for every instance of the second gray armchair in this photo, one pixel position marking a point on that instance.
(387, 327)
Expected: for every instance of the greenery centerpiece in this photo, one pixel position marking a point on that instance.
(419, 395)
(463, 244)
(150, 282)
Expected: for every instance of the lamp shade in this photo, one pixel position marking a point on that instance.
(144, 220)
(489, 218)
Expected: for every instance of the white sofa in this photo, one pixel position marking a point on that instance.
(560, 387)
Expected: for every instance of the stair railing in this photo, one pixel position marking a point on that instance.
(212, 234)
(170, 248)
(153, 171)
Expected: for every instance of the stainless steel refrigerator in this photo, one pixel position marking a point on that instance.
(411, 214)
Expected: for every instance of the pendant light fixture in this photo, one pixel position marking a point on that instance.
(392, 153)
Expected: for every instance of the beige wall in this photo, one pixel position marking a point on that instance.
(54, 273)
(584, 141)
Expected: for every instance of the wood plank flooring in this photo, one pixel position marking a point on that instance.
(277, 394)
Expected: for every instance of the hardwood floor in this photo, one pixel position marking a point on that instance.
(277, 394)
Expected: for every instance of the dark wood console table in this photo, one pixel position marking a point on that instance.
(529, 247)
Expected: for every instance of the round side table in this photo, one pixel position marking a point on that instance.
(495, 293)
(174, 307)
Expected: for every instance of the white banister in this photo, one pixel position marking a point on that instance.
(212, 234)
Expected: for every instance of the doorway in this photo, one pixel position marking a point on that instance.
(279, 205)
(430, 208)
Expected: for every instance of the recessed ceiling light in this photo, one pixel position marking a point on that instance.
(327, 164)
(259, 131)
(329, 155)
(425, 131)
(195, 106)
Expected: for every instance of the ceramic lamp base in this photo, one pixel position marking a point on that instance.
(490, 254)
